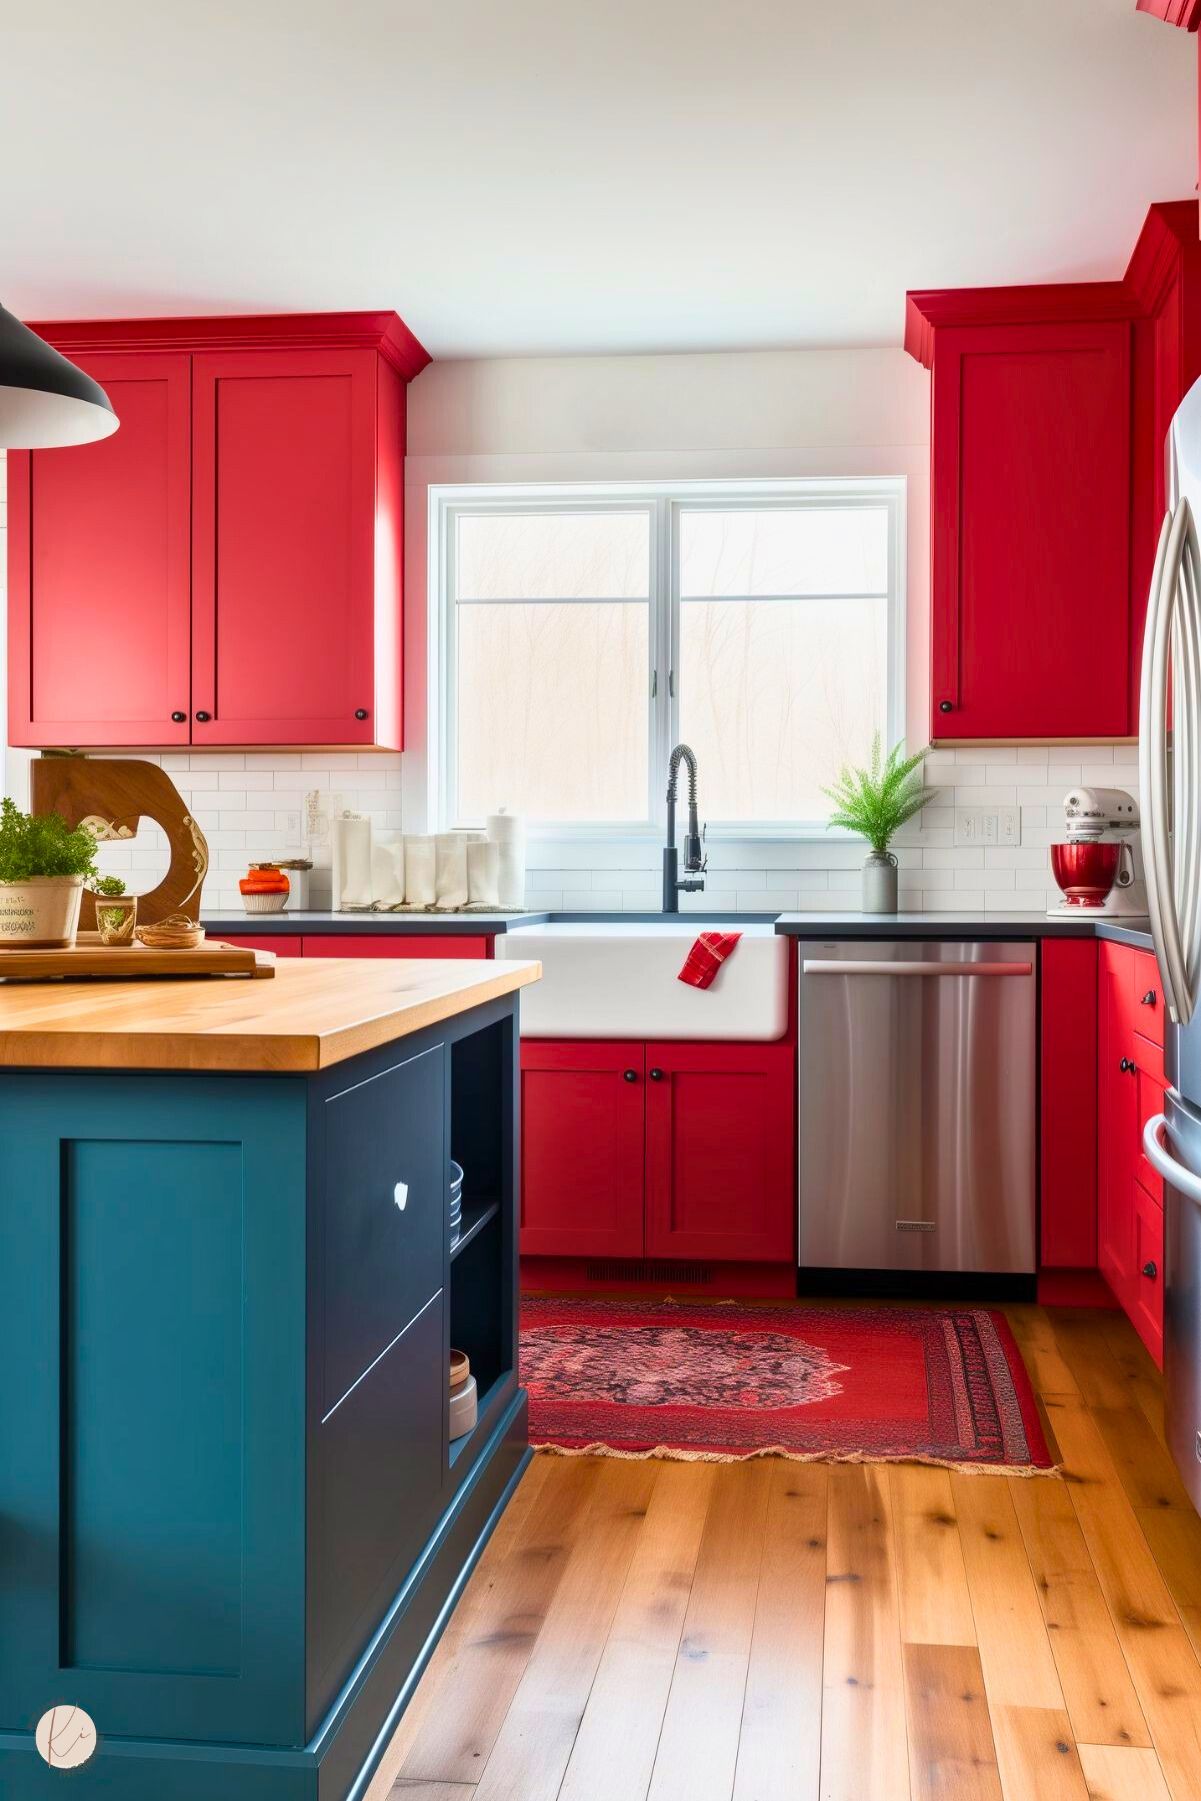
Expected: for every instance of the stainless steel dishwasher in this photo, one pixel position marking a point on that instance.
(917, 1106)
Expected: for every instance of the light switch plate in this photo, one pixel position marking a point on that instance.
(977, 828)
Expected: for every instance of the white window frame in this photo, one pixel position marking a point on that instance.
(664, 502)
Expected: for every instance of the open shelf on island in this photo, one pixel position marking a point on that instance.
(475, 1218)
(482, 1267)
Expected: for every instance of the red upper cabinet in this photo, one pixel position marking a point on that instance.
(99, 538)
(286, 647)
(1049, 406)
(1030, 549)
(233, 553)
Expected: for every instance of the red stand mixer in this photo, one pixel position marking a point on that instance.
(1095, 867)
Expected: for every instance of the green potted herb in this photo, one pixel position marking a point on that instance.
(875, 802)
(43, 865)
(116, 911)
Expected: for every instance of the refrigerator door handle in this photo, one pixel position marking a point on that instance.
(1153, 764)
(1162, 1161)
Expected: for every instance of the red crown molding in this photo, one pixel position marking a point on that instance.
(1185, 13)
(1040, 303)
(383, 332)
(1171, 230)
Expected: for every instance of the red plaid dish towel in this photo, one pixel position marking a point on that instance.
(706, 957)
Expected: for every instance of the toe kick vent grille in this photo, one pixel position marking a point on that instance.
(632, 1269)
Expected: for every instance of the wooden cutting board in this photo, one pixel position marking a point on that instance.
(88, 957)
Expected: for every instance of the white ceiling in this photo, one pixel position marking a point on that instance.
(524, 176)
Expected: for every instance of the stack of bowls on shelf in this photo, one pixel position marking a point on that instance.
(456, 1202)
(463, 1396)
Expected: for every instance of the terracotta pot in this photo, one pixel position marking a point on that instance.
(1086, 871)
(41, 913)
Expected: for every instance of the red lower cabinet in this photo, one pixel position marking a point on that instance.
(581, 1149)
(1130, 1090)
(720, 1152)
(396, 944)
(658, 1150)
(279, 943)
(1145, 1301)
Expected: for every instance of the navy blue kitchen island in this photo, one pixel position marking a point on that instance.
(232, 1520)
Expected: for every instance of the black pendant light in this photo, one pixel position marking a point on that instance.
(44, 399)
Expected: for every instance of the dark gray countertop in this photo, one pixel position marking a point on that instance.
(1134, 931)
(288, 923)
(794, 925)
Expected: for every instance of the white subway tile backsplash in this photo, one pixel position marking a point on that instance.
(255, 803)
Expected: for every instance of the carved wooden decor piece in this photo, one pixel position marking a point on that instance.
(112, 795)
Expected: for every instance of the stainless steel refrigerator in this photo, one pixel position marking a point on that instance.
(1170, 792)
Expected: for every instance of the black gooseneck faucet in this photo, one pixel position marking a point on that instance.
(694, 860)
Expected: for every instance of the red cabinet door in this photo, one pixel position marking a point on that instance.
(1145, 1305)
(1030, 494)
(395, 944)
(1069, 1103)
(720, 1152)
(581, 1149)
(1117, 1120)
(98, 543)
(283, 547)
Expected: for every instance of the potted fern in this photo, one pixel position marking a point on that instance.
(875, 802)
(43, 865)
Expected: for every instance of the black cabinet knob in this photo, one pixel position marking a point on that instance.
(360, 712)
(1150, 998)
(204, 717)
(1150, 1269)
(1128, 1065)
(656, 1075)
(631, 1075)
(178, 718)
(945, 706)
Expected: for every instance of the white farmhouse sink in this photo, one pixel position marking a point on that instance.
(620, 981)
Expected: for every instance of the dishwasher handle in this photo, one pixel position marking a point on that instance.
(831, 966)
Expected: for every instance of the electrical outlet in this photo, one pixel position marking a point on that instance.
(976, 828)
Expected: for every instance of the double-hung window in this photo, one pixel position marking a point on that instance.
(582, 631)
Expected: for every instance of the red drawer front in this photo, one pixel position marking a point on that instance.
(1145, 1300)
(279, 942)
(1148, 998)
(396, 944)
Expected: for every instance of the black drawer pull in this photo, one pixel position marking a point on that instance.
(1128, 1065)
(630, 1075)
(1150, 998)
(1150, 1269)
(656, 1075)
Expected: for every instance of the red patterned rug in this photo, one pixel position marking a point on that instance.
(861, 1382)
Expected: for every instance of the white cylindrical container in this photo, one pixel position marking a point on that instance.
(420, 871)
(464, 1406)
(40, 913)
(352, 863)
(880, 883)
(483, 875)
(507, 832)
(450, 870)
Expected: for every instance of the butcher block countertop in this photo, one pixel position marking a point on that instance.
(309, 1016)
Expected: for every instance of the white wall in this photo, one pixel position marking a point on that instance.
(786, 413)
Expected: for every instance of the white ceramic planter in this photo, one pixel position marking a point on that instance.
(880, 883)
(41, 913)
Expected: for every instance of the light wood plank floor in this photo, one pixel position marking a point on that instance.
(775, 1631)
